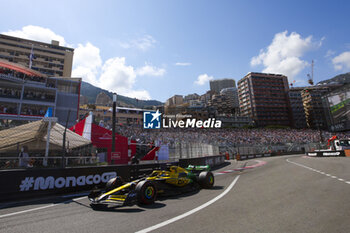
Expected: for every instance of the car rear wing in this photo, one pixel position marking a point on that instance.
(198, 168)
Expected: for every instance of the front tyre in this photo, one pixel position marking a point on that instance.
(114, 183)
(206, 179)
(146, 192)
(94, 193)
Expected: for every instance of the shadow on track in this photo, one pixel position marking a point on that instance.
(186, 194)
(42, 201)
(218, 187)
(177, 195)
(155, 205)
(76, 202)
(128, 209)
(119, 209)
(225, 164)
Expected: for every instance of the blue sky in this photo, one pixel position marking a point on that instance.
(156, 48)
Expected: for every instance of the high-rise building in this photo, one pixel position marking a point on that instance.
(190, 97)
(221, 104)
(175, 100)
(297, 107)
(205, 98)
(337, 106)
(217, 85)
(50, 59)
(231, 94)
(264, 98)
(225, 103)
(314, 110)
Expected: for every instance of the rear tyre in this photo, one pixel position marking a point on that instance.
(146, 192)
(206, 179)
(114, 183)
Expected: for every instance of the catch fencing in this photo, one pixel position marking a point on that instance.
(287, 148)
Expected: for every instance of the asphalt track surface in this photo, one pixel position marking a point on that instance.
(287, 194)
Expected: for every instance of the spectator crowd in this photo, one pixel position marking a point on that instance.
(256, 136)
(19, 75)
(37, 95)
(9, 92)
(8, 109)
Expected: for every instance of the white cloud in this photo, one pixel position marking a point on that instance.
(144, 43)
(329, 53)
(113, 75)
(183, 64)
(87, 63)
(149, 70)
(342, 61)
(139, 94)
(284, 54)
(203, 79)
(117, 76)
(38, 33)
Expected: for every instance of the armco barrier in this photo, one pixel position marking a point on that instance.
(255, 156)
(245, 157)
(209, 160)
(25, 183)
(326, 154)
(37, 182)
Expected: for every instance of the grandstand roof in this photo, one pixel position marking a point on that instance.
(106, 108)
(35, 134)
(20, 68)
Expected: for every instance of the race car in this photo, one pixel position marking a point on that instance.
(173, 180)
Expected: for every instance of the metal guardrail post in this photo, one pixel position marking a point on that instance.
(64, 140)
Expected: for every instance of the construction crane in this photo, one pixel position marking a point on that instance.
(311, 77)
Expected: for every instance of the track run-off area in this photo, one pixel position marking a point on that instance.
(278, 194)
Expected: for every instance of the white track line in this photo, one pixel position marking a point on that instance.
(26, 211)
(39, 208)
(79, 198)
(162, 224)
(76, 195)
(320, 172)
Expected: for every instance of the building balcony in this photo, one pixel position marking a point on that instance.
(38, 102)
(20, 117)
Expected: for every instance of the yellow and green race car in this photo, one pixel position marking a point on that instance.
(174, 180)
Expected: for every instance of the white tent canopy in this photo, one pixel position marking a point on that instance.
(34, 135)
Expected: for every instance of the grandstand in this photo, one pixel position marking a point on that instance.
(25, 95)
